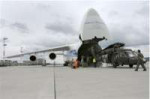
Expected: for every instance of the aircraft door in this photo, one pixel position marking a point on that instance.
(123, 58)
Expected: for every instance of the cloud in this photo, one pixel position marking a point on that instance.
(128, 34)
(60, 28)
(113, 13)
(128, 25)
(42, 6)
(144, 10)
(3, 23)
(21, 27)
(53, 40)
(49, 23)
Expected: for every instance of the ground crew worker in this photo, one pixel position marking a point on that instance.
(76, 64)
(88, 61)
(73, 65)
(140, 61)
(82, 61)
(94, 62)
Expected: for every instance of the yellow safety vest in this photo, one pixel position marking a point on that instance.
(94, 60)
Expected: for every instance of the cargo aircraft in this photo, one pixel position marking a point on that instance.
(93, 30)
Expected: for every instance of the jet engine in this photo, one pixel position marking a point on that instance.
(52, 56)
(33, 58)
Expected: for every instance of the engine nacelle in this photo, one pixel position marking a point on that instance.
(52, 56)
(33, 58)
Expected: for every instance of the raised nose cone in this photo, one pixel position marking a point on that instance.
(92, 12)
(92, 26)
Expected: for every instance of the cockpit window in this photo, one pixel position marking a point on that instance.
(122, 54)
(131, 53)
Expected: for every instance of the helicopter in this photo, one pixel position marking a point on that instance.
(116, 55)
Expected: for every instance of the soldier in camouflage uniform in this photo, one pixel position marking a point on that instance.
(140, 61)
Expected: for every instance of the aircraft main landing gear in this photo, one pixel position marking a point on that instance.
(130, 65)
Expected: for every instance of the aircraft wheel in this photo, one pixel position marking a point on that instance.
(114, 65)
(130, 65)
(65, 64)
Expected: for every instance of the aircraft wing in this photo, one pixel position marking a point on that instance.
(60, 48)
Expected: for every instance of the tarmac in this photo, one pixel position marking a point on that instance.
(37, 82)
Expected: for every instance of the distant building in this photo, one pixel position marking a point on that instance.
(8, 63)
(39, 61)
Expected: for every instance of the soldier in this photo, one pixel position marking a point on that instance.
(94, 62)
(140, 61)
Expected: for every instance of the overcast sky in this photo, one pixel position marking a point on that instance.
(37, 25)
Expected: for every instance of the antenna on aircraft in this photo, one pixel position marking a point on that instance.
(4, 46)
